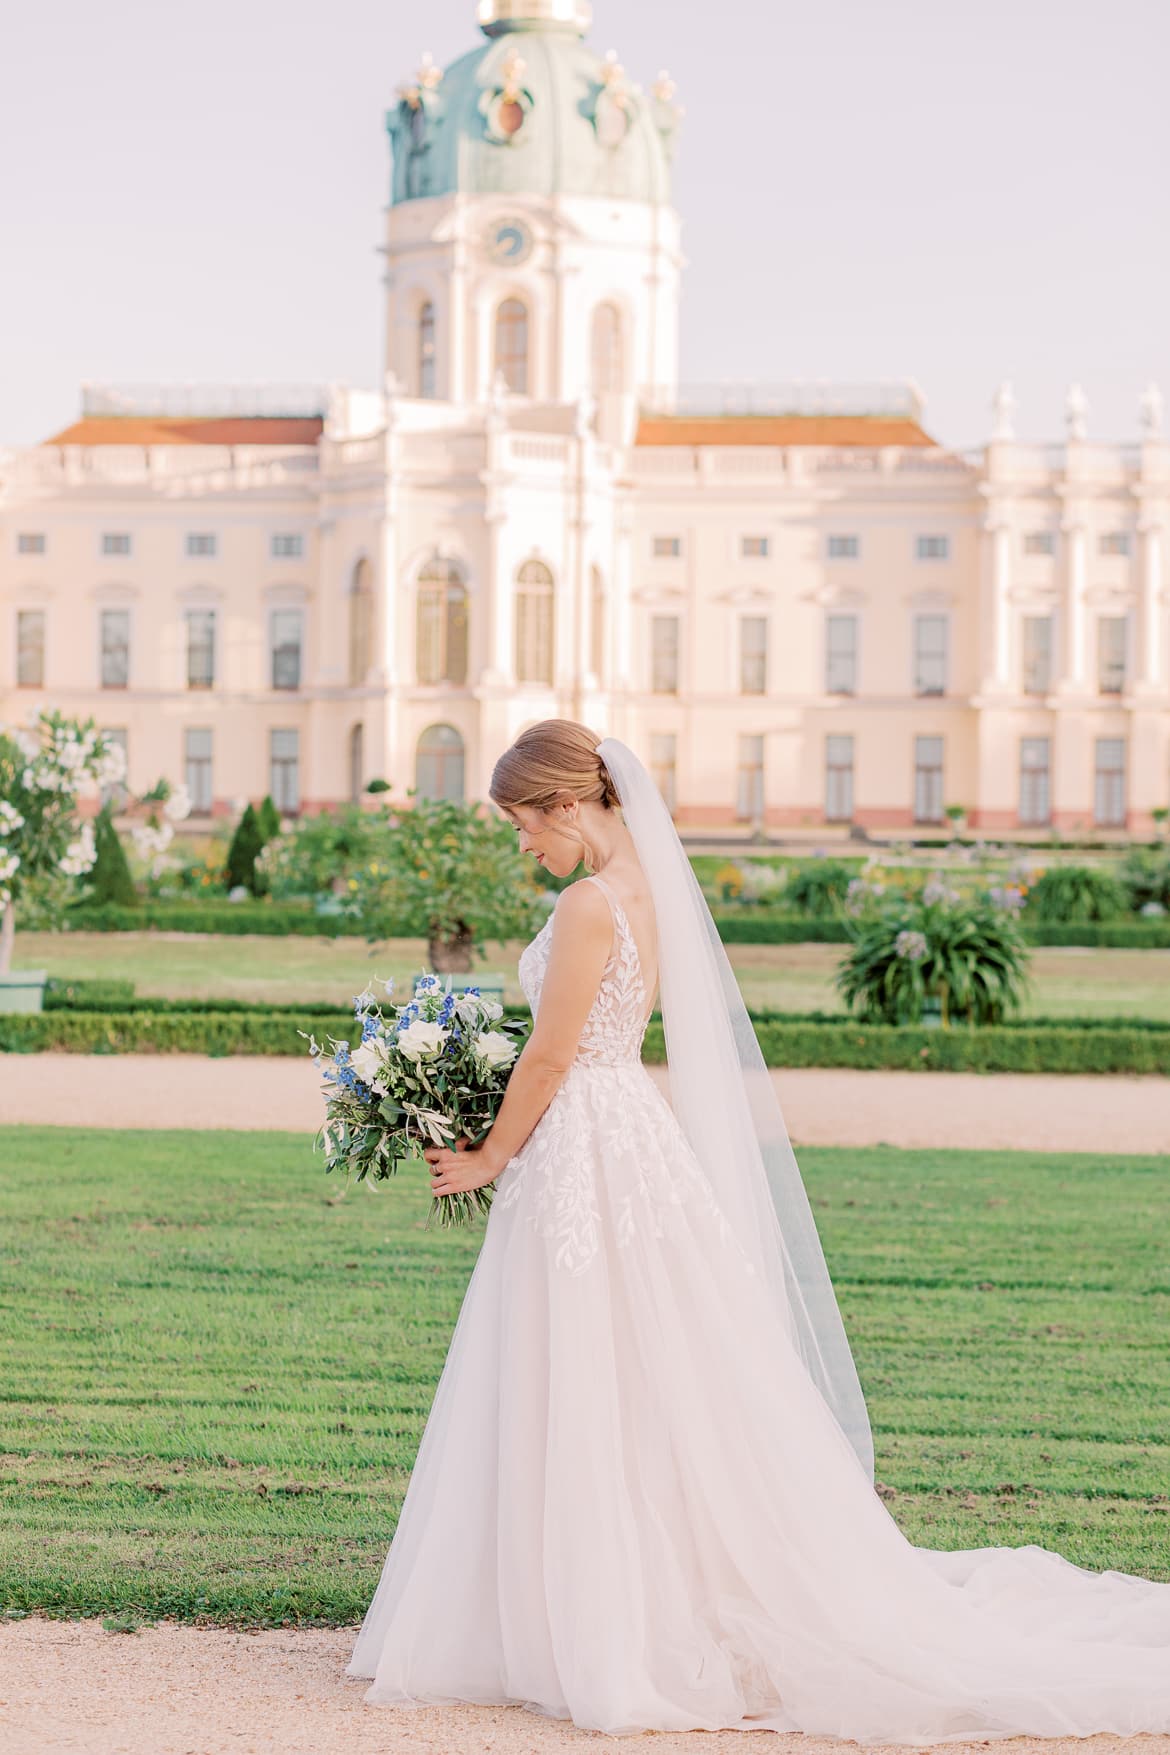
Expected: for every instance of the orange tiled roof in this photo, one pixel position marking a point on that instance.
(780, 429)
(133, 429)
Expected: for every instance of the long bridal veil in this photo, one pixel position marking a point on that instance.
(726, 1104)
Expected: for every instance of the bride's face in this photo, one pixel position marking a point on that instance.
(547, 836)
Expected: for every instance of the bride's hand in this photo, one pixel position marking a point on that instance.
(461, 1170)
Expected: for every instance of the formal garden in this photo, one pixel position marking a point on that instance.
(221, 1361)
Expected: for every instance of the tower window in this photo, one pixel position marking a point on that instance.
(426, 350)
(512, 345)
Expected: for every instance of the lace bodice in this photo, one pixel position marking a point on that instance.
(617, 1021)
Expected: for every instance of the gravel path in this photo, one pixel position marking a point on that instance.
(71, 1688)
(822, 1106)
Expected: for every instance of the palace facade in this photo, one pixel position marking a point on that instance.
(798, 605)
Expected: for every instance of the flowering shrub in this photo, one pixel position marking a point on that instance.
(44, 769)
(820, 886)
(968, 955)
(1076, 892)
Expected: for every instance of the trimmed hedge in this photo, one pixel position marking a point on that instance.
(1106, 1047)
(744, 925)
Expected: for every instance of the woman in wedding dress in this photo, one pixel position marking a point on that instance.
(643, 1498)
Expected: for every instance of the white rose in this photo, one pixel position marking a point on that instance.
(494, 1047)
(369, 1064)
(422, 1041)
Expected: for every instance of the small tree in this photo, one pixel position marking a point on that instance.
(450, 874)
(246, 845)
(269, 819)
(43, 843)
(110, 878)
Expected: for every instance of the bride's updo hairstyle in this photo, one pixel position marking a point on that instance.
(551, 762)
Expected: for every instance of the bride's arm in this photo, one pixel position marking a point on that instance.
(581, 938)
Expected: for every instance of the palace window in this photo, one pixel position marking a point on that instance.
(664, 646)
(1113, 542)
(928, 779)
(754, 548)
(511, 350)
(200, 648)
(753, 654)
(844, 548)
(441, 624)
(930, 654)
(932, 548)
(663, 766)
(665, 548)
(1111, 654)
(201, 544)
(30, 648)
(1037, 654)
(1039, 542)
(438, 763)
(534, 623)
(115, 636)
(841, 655)
(356, 761)
(1109, 783)
(1035, 764)
(30, 542)
(749, 777)
(287, 626)
(115, 542)
(606, 350)
(197, 763)
(839, 778)
(287, 545)
(284, 769)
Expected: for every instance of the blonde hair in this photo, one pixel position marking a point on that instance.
(552, 758)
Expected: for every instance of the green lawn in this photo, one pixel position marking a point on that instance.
(1068, 982)
(218, 1370)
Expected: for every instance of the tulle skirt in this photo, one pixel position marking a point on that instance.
(632, 1508)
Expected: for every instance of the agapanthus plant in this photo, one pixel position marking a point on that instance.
(430, 1073)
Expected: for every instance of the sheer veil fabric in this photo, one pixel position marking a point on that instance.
(643, 1496)
(723, 1095)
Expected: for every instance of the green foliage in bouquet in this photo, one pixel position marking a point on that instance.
(966, 955)
(452, 875)
(1075, 892)
(432, 1073)
(110, 877)
(245, 848)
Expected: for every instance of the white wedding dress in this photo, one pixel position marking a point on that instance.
(632, 1507)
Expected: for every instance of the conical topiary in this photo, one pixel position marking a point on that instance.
(110, 872)
(245, 845)
(269, 820)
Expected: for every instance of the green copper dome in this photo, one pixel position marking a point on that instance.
(532, 111)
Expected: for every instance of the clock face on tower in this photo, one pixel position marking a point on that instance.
(509, 241)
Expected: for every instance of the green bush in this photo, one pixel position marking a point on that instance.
(246, 846)
(326, 849)
(96, 993)
(1145, 874)
(969, 957)
(818, 886)
(1076, 892)
(109, 879)
(268, 818)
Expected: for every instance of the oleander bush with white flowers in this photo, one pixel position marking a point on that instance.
(431, 1073)
(46, 766)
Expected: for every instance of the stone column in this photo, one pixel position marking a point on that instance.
(1001, 579)
(1074, 677)
(1153, 540)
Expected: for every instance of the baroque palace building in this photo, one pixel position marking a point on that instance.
(799, 608)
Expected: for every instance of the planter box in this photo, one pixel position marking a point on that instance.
(23, 990)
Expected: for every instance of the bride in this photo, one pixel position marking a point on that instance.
(644, 1498)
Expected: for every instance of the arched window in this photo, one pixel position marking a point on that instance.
(534, 623)
(596, 621)
(441, 624)
(511, 351)
(426, 350)
(361, 622)
(438, 763)
(356, 761)
(608, 366)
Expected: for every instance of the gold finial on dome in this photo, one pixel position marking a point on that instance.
(495, 17)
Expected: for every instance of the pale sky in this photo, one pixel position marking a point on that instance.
(869, 189)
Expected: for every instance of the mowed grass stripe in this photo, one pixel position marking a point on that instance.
(219, 1364)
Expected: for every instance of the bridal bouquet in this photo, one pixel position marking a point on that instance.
(432, 1071)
